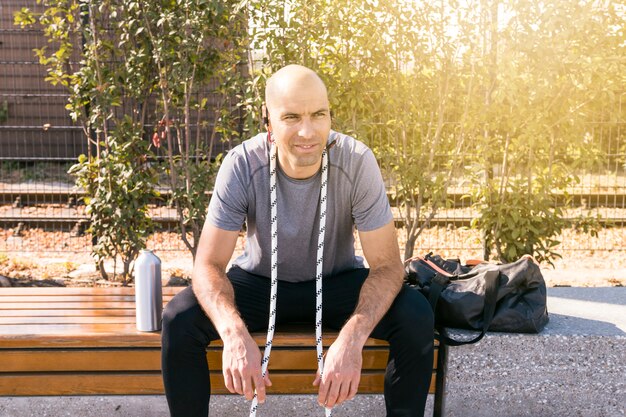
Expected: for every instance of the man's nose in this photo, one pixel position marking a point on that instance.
(307, 130)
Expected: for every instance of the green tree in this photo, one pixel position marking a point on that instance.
(189, 58)
(545, 66)
(391, 86)
(197, 49)
(109, 83)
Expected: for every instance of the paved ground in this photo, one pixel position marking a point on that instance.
(155, 406)
(575, 367)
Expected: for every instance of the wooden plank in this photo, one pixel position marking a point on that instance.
(80, 360)
(68, 313)
(52, 305)
(302, 383)
(149, 359)
(52, 339)
(151, 383)
(81, 384)
(69, 330)
(293, 336)
(49, 360)
(85, 330)
(306, 359)
(75, 298)
(63, 319)
(106, 335)
(79, 291)
(123, 335)
(67, 306)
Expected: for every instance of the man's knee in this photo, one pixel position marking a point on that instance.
(411, 302)
(413, 315)
(184, 321)
(171, 319)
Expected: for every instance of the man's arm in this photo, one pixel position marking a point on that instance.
(342, 369)
(241, 357)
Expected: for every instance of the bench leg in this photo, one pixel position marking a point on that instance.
(440, 380)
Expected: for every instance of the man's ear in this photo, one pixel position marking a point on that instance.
(264, 116)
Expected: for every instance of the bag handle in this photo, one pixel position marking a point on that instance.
(430, 263)
(492, 284)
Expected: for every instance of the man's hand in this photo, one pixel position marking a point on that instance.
(342, 368)
(241, 358)
(342, 373)
(241, 366)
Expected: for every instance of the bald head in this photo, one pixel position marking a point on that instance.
(290, 80)
(299, 119)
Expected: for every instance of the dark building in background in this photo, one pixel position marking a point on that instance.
(34, 124)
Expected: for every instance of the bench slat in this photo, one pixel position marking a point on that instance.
(151, 383)
(51, 305)
(110, 335)
(285, 334)
(95, 340)
(67, 313)
(91, 291)
(26, 299)
(79, 360)
(103, 319)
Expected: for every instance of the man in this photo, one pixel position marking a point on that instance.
(358, 301)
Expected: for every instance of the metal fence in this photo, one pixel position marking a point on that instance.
(40, 208)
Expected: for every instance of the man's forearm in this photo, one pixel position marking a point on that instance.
(377, 294)
(241, 357)
(217, 298)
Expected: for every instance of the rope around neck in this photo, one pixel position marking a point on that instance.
(274, 270)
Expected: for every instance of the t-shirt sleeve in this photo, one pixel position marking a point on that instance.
(370, 205)
(229, 203)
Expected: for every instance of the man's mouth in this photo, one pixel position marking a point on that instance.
(305, 147)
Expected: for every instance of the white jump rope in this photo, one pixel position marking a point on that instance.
(274, 269)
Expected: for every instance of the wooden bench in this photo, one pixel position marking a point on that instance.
(83, 341)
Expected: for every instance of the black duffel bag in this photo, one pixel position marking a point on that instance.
(506, 298)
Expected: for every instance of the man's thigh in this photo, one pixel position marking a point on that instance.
(341, 296)
(252, 293)
(409, 313)
(296, 301)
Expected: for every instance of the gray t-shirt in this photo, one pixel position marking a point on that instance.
(356, 197)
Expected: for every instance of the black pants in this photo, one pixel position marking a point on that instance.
(407, 326)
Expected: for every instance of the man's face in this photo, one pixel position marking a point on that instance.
(300, 124)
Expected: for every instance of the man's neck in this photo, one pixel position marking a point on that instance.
(297, 172)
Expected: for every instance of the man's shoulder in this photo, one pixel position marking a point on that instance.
(255, 145)
(348, 146)
(350, 156)
(252, 153)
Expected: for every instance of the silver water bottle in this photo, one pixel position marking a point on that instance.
(148, 292)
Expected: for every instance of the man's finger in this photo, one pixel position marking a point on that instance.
(354, 388)
(228, 382)
(248, 390)
(317, 381)
(344, 390)
(259, 385)
(237, 383)
(268, 381)
(323, 391)
(333, 393)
